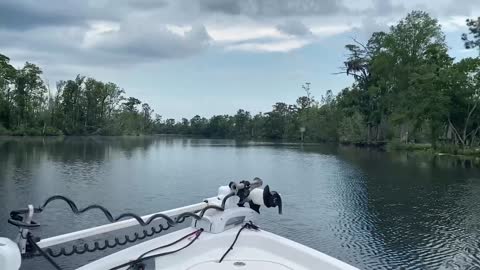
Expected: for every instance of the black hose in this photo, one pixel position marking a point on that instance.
(171, 244)
(248, 225)
(32, 242)
(105, 211)
(17, 220)
(231, 194)
(142, 258)
(127, 239)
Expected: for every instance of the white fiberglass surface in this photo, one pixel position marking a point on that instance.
(253, 250)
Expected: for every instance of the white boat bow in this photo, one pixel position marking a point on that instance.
(222, 235)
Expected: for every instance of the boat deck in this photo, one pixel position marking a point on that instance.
(253, 250)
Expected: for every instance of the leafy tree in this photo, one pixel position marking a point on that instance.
(258, 126)
(406, 87)
(241, 124)
(72, 104)
(219, 126)
(464, 91)
(276, 121)
(29, 94)
(170, 126)
(146, 118)
(472, 39)
(130, 105)
(198, 125)
(352, 129)
(7, 77)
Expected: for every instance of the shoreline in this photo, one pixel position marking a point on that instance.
(443, 150)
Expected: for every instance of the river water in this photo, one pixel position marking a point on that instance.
(372, 209)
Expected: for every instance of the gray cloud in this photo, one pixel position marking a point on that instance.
(272, 8)
(144, 4)
(463, 7)
(24, 14)
(130, 45)
(154, 42)
(55, 31)
(226, 6)
(294, 28)
(53, 39)
(368, 26)
(387, 7)
(29, 14)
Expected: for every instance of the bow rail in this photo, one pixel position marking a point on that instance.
(60, 239)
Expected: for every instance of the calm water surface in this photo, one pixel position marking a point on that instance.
(371, 209)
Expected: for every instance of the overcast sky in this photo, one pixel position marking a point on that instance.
(187, 57)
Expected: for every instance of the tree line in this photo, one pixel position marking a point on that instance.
(407, 89)
(81, 106)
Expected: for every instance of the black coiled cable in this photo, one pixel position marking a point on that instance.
(16, 219)
(99, 246)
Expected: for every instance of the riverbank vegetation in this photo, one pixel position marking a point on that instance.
(408, 92)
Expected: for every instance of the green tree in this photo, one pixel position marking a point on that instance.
(241, 124)
(28, 95)
(395, 72)
(219, 126)
(258, 126)
(72, 101)
(472, 39)
(170, 126)
(146, 118)
(198, 125)
(464, 91)
(7, 77)
(276, 121)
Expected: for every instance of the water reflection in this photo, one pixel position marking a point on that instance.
(416, 200)
(372, 209)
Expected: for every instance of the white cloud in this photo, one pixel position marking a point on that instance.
(254, 38)
(97, 29)
(330, 30)
(180, 30)
(270, 39)
(272, 46)
(453, 23)
(228, 34)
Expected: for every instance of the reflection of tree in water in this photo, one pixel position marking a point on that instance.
(87, 149)
(418, 202)
(70, 149)
(19, 155)
(354, 228)
(329, 149)
(427, 160)
(129, 145)
(31, 167)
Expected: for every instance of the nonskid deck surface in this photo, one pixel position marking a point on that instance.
(253, 250)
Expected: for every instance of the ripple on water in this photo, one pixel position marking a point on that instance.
(371, 209)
